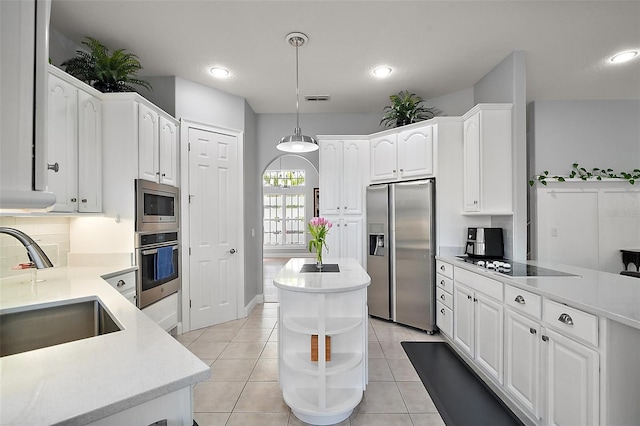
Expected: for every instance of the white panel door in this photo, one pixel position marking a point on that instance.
(572, 382)
(415, 152)
(522, 364)
(89, 153)
(383, 158)
(62, 144)
(214, 223)
(352, 239)
(168, 151)
(148, 149)
(353, 167)
(488, 336)
(330, 175)
(471, 189)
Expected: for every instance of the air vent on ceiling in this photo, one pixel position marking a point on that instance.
(317, 98)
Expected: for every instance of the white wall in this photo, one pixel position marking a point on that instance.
(453, 104)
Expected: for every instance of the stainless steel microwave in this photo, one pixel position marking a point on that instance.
(157, 207)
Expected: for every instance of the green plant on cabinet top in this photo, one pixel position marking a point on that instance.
(105, 71)
(584, 174)
(405, 109)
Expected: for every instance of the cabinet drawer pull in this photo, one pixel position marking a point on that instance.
(442, 296)
(532, 330)
(442, 268)
(442, 311)
(442, 283)
(121, 283)
(545, 338)
(565, 319)
(519, 299)
(55, 167)
(345, 207)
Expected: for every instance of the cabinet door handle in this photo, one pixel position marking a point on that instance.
(120, 283)
(442, 296)
(345, 224)
(442, 311)
(338, 207)
(74, 199)
(532, 330)
(468, 297)
(565, 319)
(84, 200)
(394, 171)
(345, 207)
(545, 338)
(519, 299)
(55, 167)
(475, 299)
(164, 174)
(402, 170)
(442, 283)
(442, 268)
(157, 173)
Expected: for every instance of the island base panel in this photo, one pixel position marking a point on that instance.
(324, 419)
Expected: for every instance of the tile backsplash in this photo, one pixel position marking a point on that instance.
(51, 234)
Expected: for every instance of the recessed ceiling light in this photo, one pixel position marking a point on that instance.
(625, 56)
(219, 72)
(382, 71)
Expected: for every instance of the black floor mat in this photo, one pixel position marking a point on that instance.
(459, 395)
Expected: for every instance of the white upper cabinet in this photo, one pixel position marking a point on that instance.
(415, 152)
(341, 176)
(406, 154)
(157, 146)
(74, 154)
(488, 170)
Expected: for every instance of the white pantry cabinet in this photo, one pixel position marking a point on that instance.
(488, 171)
(406, 153)
(341, 176)
(157, 145)
(74, 153)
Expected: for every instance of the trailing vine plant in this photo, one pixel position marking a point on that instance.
(584, 174)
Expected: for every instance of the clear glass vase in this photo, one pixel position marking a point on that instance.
(319, 256)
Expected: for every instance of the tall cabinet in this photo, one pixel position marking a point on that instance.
(343, 166)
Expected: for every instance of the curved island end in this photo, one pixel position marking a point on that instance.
(322, 339)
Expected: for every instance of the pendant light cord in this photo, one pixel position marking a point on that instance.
(297, 88)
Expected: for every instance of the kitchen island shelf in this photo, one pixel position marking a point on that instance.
(332, 325)
(308, 408)
(340, 362)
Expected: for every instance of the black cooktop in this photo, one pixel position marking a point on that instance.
(514, 269)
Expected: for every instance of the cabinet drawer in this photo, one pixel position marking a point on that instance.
(480, 283)
(571, 321)
(444, 319)
(444, 297)
(523, 301)
(444, 268)
(123, 282)
(444, 283)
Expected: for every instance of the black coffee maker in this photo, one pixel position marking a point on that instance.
(485, 243)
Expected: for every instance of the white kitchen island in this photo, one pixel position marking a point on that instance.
(333, 307)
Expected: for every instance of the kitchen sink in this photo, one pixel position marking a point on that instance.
(37, 328)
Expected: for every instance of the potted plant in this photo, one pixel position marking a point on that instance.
(405, 108)
(579, 172)
(106, 71)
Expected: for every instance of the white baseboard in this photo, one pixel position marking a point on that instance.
(257, 299)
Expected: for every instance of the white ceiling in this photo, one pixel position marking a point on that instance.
(435, 47)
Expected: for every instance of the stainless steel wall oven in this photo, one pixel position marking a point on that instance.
(158, 256)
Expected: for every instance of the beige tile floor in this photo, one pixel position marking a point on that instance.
(243, 387)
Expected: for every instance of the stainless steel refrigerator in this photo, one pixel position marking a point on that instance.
(401, 250)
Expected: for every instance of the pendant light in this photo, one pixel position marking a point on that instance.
(297, 142)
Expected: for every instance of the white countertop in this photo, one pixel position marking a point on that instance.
(82, 381)
(612, 296)
(351, 277)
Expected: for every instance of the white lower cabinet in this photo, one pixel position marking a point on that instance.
(478, 328)
(550, 350)
(522, 363)
(125, 283)
(572, 381)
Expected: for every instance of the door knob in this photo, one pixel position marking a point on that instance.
(55, 167)
(232, 251)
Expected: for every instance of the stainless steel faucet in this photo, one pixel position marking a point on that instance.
(36, 254)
